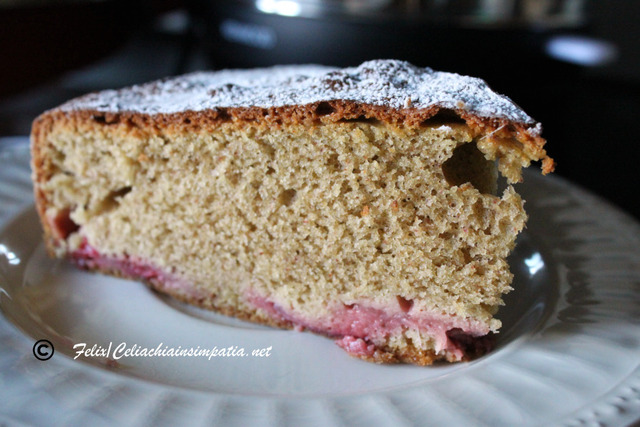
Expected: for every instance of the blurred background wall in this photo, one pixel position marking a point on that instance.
(571, 64)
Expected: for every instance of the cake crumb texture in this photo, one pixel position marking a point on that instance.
(284, 210)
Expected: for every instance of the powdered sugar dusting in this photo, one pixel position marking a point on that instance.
(391, 83)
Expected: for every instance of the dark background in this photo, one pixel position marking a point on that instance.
(53, 51)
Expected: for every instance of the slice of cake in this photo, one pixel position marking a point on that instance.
(356, 203)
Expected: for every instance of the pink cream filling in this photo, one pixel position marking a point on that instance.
(355, 326)
(86, 256)
(358, 326)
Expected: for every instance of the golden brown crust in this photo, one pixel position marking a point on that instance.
(495, 129)
(41, 170)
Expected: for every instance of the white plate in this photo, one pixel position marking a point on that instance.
(568, 353)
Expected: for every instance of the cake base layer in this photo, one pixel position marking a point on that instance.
(374, 334)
